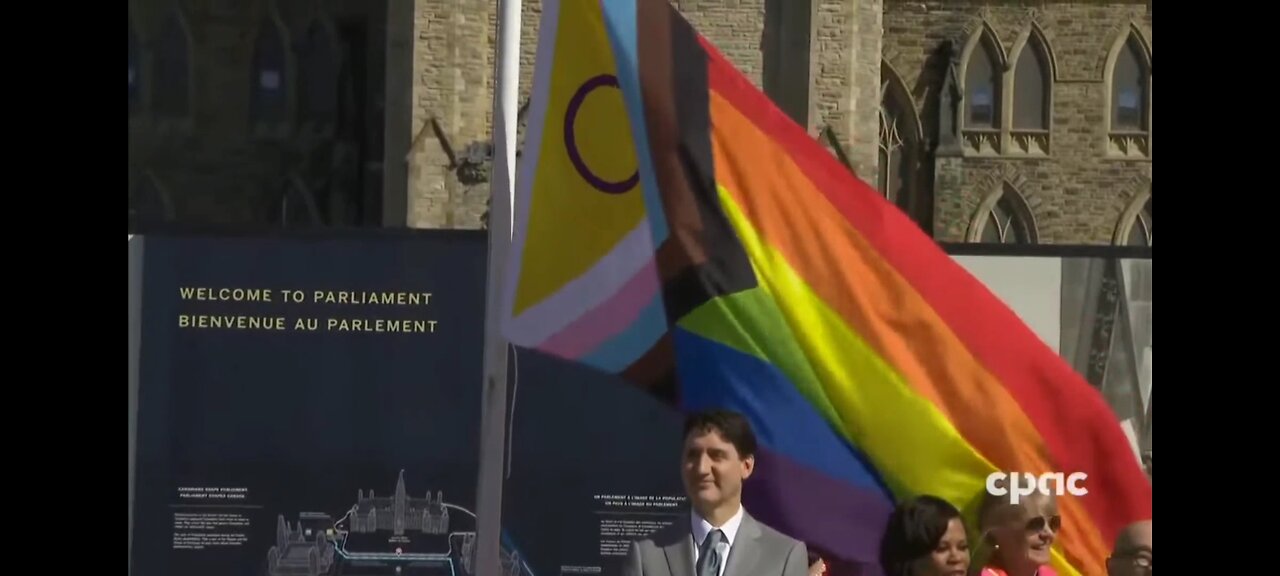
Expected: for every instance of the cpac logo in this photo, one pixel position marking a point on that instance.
(1018, 485)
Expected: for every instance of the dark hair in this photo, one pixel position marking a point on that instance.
(913, 532)
(732, 426)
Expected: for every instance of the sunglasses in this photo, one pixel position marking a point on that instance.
(1039, 522)
(1140, 563)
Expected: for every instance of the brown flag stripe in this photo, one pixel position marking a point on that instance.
(702, 257)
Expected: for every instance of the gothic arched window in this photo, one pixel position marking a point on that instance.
(1007, 220)
(1003, 226)
(269, 89)
(318, 68)
(982, 85)
(1032, 83)
(1128, 113)
(1140, 232)
(1129, 95)
(899, 141)
(171, 96)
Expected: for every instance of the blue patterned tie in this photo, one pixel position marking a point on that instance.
(708, 556)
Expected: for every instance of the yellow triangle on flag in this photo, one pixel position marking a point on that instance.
(584, 196)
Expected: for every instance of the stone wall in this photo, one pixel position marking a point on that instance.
(847, 78)
(1078, 191)
(434, 84)
(210, 163)
(454, 69)
(821, 60)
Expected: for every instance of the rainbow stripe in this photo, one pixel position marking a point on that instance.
(674, 227)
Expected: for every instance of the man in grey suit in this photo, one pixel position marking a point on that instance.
(719, 538)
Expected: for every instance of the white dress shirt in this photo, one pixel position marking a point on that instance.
(701, 528)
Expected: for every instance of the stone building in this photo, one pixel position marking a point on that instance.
(248, 112)
(1023, 121)
(1015, 121)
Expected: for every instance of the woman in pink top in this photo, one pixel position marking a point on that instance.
(1019, 536)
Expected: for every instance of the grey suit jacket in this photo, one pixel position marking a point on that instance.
(758, 550)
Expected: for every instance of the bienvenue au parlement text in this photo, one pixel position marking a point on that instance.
(275, 309)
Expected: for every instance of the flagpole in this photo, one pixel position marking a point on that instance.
(493, 420)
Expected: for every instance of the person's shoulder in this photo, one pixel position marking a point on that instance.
(648, 551)
(767, 531)
(770, 533)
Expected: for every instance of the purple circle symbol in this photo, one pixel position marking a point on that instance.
(575, 156)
